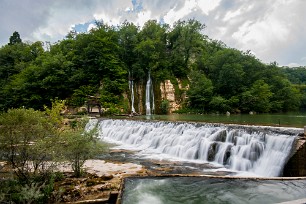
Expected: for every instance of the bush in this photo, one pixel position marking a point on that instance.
(38, 191)
(79, 146)
(27, 139)
(164, 106)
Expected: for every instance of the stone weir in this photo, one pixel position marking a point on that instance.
(296, 165)
(250, 150)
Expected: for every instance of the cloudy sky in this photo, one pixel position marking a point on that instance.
(274, 30)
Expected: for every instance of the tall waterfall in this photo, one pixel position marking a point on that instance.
(149, 96)
(238, 149)
(131, 86)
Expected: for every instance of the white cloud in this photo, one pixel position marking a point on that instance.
(91, 26)
(293, 65)
(175, 14)
(208, 5)
(231, 14)
(143, 17)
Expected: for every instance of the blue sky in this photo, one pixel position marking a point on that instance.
(274, 30)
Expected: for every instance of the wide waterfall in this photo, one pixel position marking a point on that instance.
(241, 149)
(149, 96)
(131, 86)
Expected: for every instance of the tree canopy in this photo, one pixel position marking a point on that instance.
(101, 61)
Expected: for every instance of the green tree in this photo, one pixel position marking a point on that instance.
(219, 104)
(15, 38)
(128, 41)
(185, 43)
(230, 80)
(257, 98)
(200, 91)
(151, 49)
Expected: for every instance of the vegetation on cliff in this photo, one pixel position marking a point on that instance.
(101, 61)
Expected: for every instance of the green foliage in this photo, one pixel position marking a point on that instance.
(81, 94)
(218, 103)
(33, 143)
(296, 75)
(201, 90)
(79, 146)
(112, 110)
(101, 61)
(16, 191)
(185, 42)
(257, 98)
(26, 141)
(55, 112)
(15, 38)
(164, 106)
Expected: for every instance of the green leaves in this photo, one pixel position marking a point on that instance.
(21, 133)
(105, 58)
(15, 38)
(79, 146)
(200, 91)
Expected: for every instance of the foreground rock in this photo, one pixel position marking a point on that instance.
(100, 183)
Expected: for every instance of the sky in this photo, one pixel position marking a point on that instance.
(273, 30)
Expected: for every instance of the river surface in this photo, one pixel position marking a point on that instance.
(197, 190)
(283, 120)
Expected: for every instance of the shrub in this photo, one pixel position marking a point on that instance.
(26, 139)
(164, 107)
(79, 146)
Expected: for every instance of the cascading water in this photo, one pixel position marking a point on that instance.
(149, 96)
(131, 86)
(263, 154)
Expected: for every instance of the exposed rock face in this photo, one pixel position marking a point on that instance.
(168, 93)
(165, 90)
(139, 97)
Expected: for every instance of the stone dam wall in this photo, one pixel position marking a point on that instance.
(296, 165)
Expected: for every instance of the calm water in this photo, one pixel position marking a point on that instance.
(285, 120)
(197, 190)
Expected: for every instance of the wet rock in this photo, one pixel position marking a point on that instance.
(107, 177)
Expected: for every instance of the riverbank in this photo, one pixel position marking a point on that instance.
(100, 181)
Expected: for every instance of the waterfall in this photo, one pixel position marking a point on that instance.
(238, 149)
(149, 96)
(131, 86)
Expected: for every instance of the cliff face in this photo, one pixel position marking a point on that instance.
(175, 93)
(168, 93)
(139, 95)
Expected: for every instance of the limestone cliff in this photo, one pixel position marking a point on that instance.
(175, 95)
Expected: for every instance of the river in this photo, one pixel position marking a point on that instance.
(297, 119)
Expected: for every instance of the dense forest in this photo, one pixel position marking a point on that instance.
(103, 60)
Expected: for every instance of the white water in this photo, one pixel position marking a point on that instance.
(256, 153)
(131, 86)
(149, 96)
